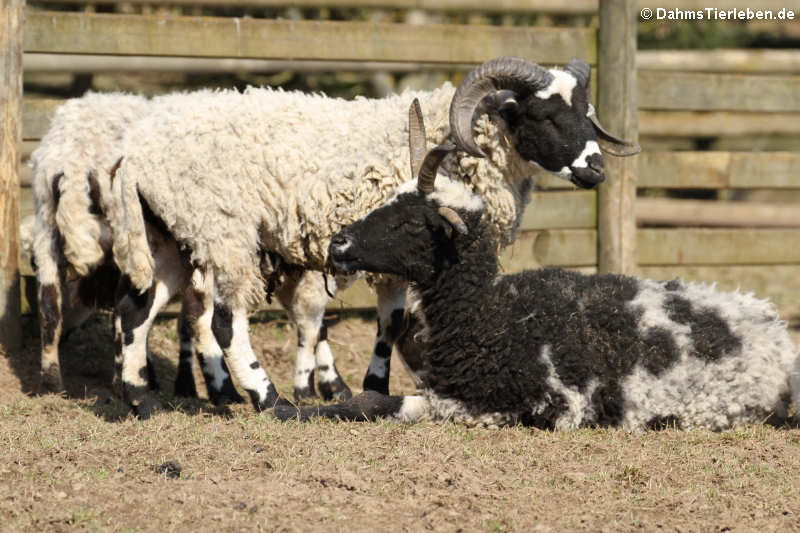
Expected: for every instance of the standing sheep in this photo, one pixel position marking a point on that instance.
(557, 349)
(229, 175)
(71, 241)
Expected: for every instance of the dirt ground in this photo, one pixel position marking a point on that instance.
(82, 463)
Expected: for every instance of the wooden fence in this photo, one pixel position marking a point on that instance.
(578, 229)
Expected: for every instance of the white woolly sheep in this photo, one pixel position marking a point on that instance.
(557, 349)
(71, 239)
(230, 175)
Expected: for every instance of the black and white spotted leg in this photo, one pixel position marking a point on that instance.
(391, 303)
(135, 314)
(367, 406)
(304, 297)
(230, 327)
(198, 312)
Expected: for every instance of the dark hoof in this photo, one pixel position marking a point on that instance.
(51, 381)
(335, 390)
(374, 383)
(227, 395)
(304, 394)
(272, 400)
(185, 387)
(145, 408)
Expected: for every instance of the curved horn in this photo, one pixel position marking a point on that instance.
(612, 145)
(454, 219)
(416, 137)
(430, 166)
(513, 73)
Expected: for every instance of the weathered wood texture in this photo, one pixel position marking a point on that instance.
(711, 213)
(717, 92)
(84, 33)
(11, 13)
(617, 107)
(754, 61)
(717, 123)
(719, 170)
(684, 246)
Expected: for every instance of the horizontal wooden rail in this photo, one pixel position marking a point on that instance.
(745, 60)
(684, 246)
(717, 92)
(560, 209)
(710, 213)
(717, 123)
(87, 33)
(719, 170)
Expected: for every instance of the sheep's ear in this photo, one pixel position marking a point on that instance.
(609, 143)
(453, 220)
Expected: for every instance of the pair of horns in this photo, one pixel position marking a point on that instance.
(520, 77)
(425, 164)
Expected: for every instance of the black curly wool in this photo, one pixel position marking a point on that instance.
(489, 337)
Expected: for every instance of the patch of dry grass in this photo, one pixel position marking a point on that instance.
(82, 463)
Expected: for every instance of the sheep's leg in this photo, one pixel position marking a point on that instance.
(230, 327)
(391, 302)
(184, 380)
(331, 384)
(367, 406)
(304, 297)
(198, 312)
(50, 325)
(135, 315)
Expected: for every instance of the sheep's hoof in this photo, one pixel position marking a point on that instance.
(304, 394)
(335, 390)
(226, 395)
(273, 399)
(185, 387)
(146, 407)
(51, 380)
(377, 384)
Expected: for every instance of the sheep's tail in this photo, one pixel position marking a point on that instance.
(130, 247)
(83, 232)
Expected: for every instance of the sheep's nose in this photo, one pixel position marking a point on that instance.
(339, 240)
(595, 162)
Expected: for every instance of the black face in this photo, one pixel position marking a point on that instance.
(557, 136)
(407, 237)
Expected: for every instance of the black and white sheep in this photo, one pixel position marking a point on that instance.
(553, 348)
(232, 174)
(70, 240)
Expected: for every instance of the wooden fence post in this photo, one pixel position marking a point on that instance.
(11, 14)
(617, 109)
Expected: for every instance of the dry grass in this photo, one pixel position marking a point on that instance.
(82, 463)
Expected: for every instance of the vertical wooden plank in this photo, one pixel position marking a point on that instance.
(617, 109)
(10, 139)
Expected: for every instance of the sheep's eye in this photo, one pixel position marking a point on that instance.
(413, 226)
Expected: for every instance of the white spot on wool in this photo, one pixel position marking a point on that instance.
(378, 367)
(565, 173)
(456, 411)
(212, 364)
(446, 192)
(563, 84)
(579, 404)
(650, 302)
(413, 409)
(591, 148)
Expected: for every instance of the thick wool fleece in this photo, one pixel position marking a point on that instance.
(226, 171)
(84, 138)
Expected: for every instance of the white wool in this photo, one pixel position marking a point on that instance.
(220, 167)
(84, 137)
(738, 388)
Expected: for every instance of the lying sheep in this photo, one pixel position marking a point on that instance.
(71, 239)
(557, 349)
(230, 174)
